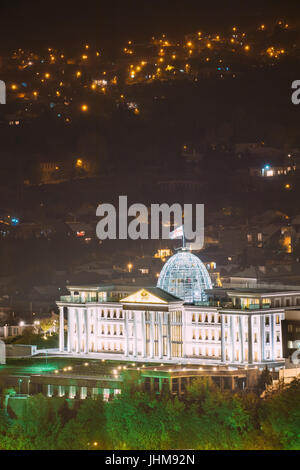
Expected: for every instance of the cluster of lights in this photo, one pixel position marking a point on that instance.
(272, 52)
(162, 63)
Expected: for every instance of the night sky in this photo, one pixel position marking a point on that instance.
(66, 23)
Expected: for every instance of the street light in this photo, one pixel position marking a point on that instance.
(129, 266)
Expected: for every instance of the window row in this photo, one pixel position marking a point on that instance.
(116, 330)
(277, 337)
(111, 314)
(205, 318)
(206, 352)
(107, 346)
(206, 335)
(111, 347)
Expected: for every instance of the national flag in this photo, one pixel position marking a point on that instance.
(177, 233)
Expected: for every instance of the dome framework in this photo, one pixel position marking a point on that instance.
(186, 277)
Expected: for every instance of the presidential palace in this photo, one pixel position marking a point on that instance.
(184, 319)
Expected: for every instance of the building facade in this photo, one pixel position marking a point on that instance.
(152, 325)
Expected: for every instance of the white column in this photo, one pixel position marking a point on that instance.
(70, 331)
(61, 330)
(160, 336)
(232, 318)
(272, 335)
(134, 335)
(223, 356)
(126, 332)
(169, 336)
(86, 326)
(77, 330)
(184, 331)
(5, 329)
(250, 340)
(143, 326)
(262, 336)
(151, 336)
(241, 325)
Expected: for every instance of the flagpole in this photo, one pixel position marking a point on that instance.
(183, 239)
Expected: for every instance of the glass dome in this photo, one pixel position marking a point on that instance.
(186, 277)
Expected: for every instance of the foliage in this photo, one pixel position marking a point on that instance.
(280, 417)
(265, 379)
(205, 418)
(136, 420)
(36, 340)
(46, 324)
(86, 428)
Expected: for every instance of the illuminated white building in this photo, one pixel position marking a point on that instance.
(150, 324)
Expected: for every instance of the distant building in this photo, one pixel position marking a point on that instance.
(257, 149)
(49, 172)
(269, 171)
(9, 331)
(291, 332)
(190, 154)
